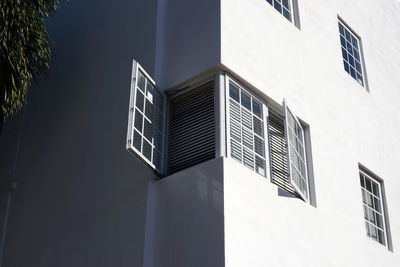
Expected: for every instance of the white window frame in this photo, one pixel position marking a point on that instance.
(381, 204)
(360, 52)
(131, 120)
(293, 11)
(286, 110)
(229, 80)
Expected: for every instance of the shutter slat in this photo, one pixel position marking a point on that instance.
(277, 146)
(192, 128)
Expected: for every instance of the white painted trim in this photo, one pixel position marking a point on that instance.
(288, 153)
(131, 120)
(380, 204)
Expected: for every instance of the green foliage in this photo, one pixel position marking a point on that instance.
(24, 49)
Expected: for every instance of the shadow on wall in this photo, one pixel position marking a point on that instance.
(81, 197)
(188, 219)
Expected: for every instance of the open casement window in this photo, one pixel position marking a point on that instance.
(146, 125)
(296, 153)
(246, 127)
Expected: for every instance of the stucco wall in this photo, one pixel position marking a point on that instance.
(81, 198)
(348, 126)
(186, 222)
(188, 39)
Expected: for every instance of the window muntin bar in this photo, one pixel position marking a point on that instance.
(371, 193)
(296, 154)
(284, 7)
(351, 53)
(146, 119)
(246, 128)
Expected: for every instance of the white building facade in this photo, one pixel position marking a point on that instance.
(261, 133)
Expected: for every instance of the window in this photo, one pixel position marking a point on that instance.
(172, 131)
(254, 133)
(296, 153)
(278, 152)
(374, 207)
(191, 135)
(188, 129)
(352, 54)
(247, 127)
(146, 119)
(288, 8)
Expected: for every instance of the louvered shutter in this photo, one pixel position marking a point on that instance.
(278, 154)
(296, 153)
(191, 128)
(146, 123)
(246, 142)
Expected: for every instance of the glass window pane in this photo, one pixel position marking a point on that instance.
(138, 121)
(139, 100)
(360, 79)
(150, 92)
(246, 102)
(368, 185)
(149, 110)
(351, 54)
(346, 66)
(246, 130)
(258, 126)
(354, 41)
(373, 208)
(141, 81)
(248, 158)
(286, 14)
(356, 54)
(247, 138)
(236, 131)
(278, 6)
(247, 119)
(148, 130)
(381, 237)
(375, 189)
(147, 149)
(351, 61)
(341, 29)
(297, 163)
(137, 141)
(259, 146)
(353, 72)
(236, 150)
(377, 204)
(234, 92)
(343, 42)
(362, 180)
(344, 54)
(260, 165)
(257, 108)
(147, 122)
(348, 36)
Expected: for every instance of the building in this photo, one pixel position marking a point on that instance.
(226, 87)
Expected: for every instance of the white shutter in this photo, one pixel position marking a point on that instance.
(146, 123)
(246, 127)
(278, 152)
(296, 153)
